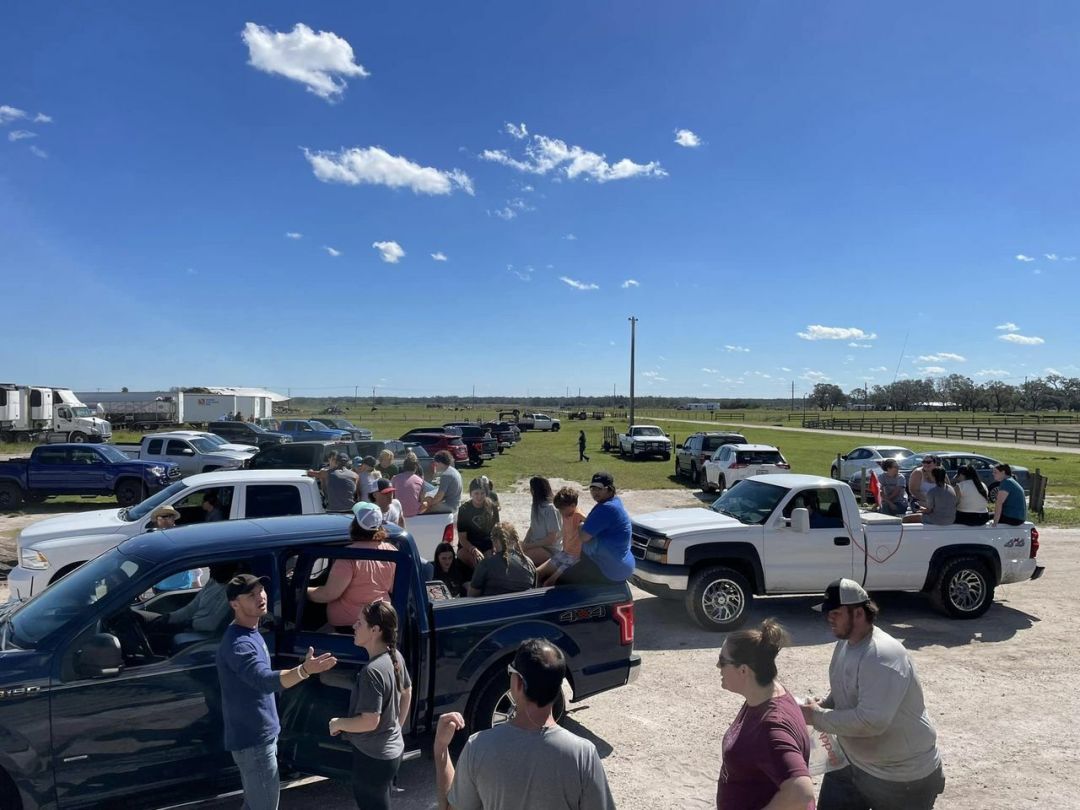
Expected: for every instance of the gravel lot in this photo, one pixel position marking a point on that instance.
(999, 689)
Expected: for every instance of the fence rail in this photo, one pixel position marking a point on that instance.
(985, 433)
(972, 419)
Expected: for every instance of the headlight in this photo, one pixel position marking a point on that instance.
(157, 471)
(34, 560)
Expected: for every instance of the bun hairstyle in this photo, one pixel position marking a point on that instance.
(757, 649)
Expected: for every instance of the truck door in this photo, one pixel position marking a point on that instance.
(50, 469)
(305, 710)
(797, 562)
(89, 469)
(182, 453)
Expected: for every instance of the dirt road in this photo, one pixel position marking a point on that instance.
(1000, 690)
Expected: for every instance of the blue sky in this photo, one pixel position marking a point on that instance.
(852, 179)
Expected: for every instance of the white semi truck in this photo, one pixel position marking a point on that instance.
(30, 412)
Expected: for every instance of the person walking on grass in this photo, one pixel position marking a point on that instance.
(581, 446)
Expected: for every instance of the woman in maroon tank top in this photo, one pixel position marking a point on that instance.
(766, 747)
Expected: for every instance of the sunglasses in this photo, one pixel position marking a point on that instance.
(511, 671)
(725, 662)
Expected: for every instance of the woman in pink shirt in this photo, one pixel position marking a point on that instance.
(352, 584)
(409, 486)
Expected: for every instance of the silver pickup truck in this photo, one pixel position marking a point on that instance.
(193, 454)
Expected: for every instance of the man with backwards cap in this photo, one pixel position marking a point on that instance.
(875, 708)
(248, 685)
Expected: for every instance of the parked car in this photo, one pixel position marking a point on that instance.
(310, 455)
(338, 423)
(306, 430)
(442, 440)
(645, 440)
(372, 447)
(80, 469)
(538, 421)
(247, 433)
(794, 534)
(192, 454)
(219, 441)
(478, 439)
(697, 448)
(505, 433)
(869, 456)
(732, 463)
(98, 713)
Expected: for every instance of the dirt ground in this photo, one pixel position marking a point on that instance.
(1000, 690)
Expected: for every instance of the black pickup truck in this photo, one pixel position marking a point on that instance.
(479, 439)
(97, 709)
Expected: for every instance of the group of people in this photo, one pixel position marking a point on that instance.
(399, 492)
(933, 499)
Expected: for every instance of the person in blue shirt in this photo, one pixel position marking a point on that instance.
(165, 517)
(248, 684)
(605, 539)
(1010, 507)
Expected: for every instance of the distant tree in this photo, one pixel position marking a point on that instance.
(827, 396)
(999, 396)
(124, 390)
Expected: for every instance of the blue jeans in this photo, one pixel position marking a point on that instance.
(852, 789)
(259, 776)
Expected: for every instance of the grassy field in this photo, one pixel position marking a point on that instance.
(555, 454)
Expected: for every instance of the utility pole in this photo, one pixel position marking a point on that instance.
(633, 340)
(355, 394)
(793, 396)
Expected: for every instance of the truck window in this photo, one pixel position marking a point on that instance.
(84, 455)
(273, 500)
(823, 505)
(750, 501)
(176, 447)
(191, 507)
(51, 455)
(153, 447)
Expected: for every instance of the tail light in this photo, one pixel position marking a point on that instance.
(624, 615)
(782, 466)
(448, 533)
(1034, 542)
(737, 466)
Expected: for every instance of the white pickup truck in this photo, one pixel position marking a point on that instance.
(645, 440)
(794, 534)
(51, 548)
(189, 450)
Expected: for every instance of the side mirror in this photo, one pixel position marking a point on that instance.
(187, 451)
(800, 520)
(99, 657)
(843, 458)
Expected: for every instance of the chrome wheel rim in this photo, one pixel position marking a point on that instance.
(722, 601)
(504, 710)
(966, 590)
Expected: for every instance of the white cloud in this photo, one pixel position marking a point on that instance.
(940, 357)
(814, 376)
(1054, 371)
(544, 155)
(1021, 340)
(653, 376)
(730, 348)
(570, 237)
(819, 332)
(332, 251)
(375, 166)
(879, 368)
(711, 370)
(1069, 259)
(439, 256)
(512, 209)
(578, 285)
(932, 370)
(1051, 256)
(20, 135)
(1020, 257)
(784, 368)
(9, 114)
(861, 345)
(630, 282)
(504, 213)
(518, 132)
(42, 118)
(525, 274)
(37, 151)
(319, 61)
(389, 252)
(293, 235)
(684, 137)
(992, 372)
(1007, 327)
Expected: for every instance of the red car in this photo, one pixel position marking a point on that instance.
(434, 442)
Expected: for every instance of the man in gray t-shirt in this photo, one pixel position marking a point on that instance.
(529, 762)
(447, 497)
(338, 483)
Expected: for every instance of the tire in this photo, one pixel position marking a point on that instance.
(678, 474)
(834, 473)
(721, 484)
(22, 437)
(129, 493)
(11, 497)
(719, 598)
(77, 437)
(965, 590)
(703, 480)
(556, 428)
(493, 705)
(666, 457)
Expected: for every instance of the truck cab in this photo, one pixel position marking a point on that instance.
(192, 454)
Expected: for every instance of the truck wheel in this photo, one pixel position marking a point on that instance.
(494, 707)
(721, 484)
(77, 438)
(129, 493)
(965, 590)
(11, 497)
(666, 457)
(22, 437)
(555, 428)
(719, 598)
(703, 480)
(678, 472)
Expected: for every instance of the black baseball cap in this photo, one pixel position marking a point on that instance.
(602, 479)
(243, 583)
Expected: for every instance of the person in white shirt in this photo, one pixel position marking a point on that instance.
(972, 498)
(390, 506)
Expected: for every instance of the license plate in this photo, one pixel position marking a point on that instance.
(762, 471)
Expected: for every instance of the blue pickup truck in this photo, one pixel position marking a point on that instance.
(81, 469)
(97, 708)
(308, 430)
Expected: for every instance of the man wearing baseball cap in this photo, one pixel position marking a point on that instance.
(338, 483)
(386, 500)
(248, 685)
(605, 538)
(875, 708)
(165, 517)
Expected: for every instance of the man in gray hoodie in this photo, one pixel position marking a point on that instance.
(876, 710)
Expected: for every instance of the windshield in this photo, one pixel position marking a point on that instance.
(257, 427)
(71, 596)
(750, 501)
(203, 445)
(82, 410)
(716, 442)
(759, 457)
(141, 510)
(112, 453)
(894, 452)
(649, 431)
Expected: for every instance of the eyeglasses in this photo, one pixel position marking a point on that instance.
(511, 671)
(726, 662)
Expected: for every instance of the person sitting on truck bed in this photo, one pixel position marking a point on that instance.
(507, 570)
(447, 497)
(605, 538)
(351, 584)
(475, 520)
(451, 571)
(940, 507)
(338, 483)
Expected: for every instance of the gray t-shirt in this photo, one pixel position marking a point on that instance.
(494, 575)
(376, 692)
(877, 710)
(544, 519)
(450, 487)
(340, 490)
(942, 503)
(208, 612)
(510, 768)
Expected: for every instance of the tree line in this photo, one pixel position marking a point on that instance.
(1051, 393)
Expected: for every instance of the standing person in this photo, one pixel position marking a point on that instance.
(566, 501)
(378, 708)
(543, 539)
(1010, 507)
(368, 478)
(507, 569)
(386, 468)
(971, 498)
(766, 747)
(894, 499)
(338, 483)
(447, 497)
(248, 685)
(530, 762)
(475, 520)
(605, 538)
(581, 446)
(875, 708)
(409, 486)
(388, 504)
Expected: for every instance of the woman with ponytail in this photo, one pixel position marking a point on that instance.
(766, 748)
(378, 708)
(507, 570)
